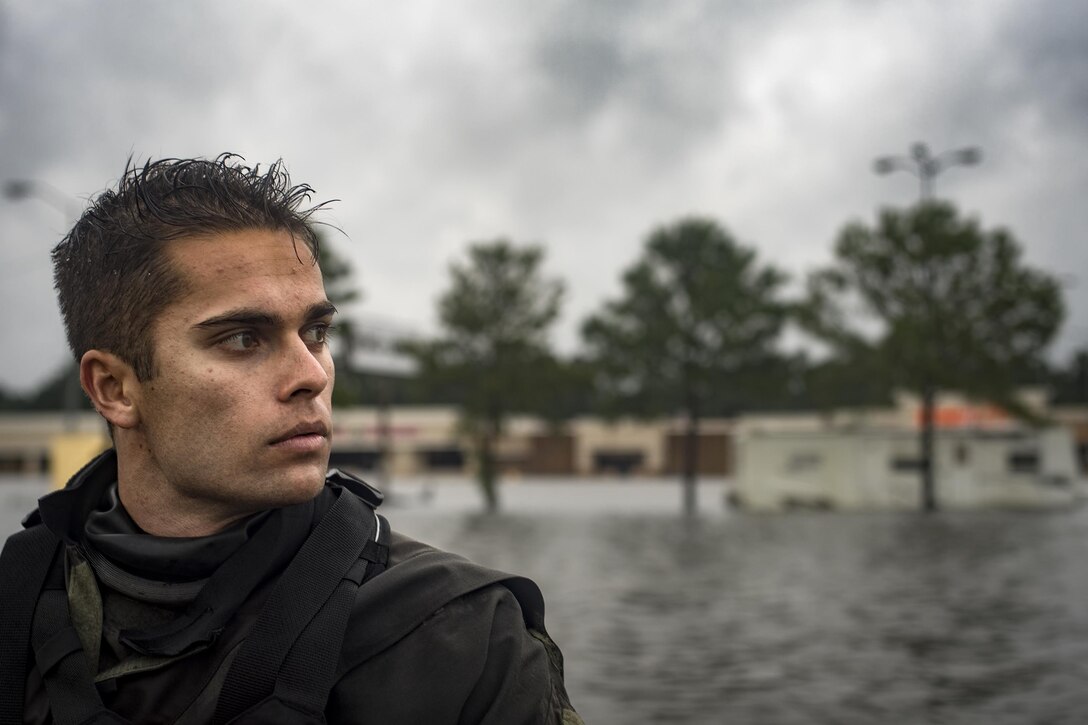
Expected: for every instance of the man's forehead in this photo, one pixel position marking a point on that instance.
(254, 251)
(244, 245)
(266, 263)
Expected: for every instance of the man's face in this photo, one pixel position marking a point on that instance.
(237, 417)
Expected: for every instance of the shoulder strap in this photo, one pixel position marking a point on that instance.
(24, 565)
(58, 652)
(314, 594)
(309, 672)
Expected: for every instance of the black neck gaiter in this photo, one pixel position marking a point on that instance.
(209, 576)
(111, 532)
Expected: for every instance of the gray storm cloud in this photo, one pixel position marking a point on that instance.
(576, 125)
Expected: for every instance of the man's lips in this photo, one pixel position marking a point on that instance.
(303, 431)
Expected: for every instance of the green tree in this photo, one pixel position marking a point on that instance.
(1070, 384)
(833, 382)
(567, 390)
(493, 347)
(954, 307)
(60, 391)
(341, 289)
(695, 328)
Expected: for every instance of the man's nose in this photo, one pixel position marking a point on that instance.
(305, 372)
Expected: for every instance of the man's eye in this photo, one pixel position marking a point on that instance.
(245, 340)
(318, 334)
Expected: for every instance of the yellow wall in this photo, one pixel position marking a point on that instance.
(69, 452)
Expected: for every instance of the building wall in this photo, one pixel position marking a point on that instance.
(880, 469)
(1075, 418)
(623, 447)
(428, 441)
(551, 454)
(714, 454)
(27, 439)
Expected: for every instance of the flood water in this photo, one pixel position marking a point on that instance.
(799, 618)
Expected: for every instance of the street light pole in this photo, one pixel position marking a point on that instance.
(926, 167)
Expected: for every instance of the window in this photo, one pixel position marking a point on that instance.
(363, 459)
(1025, 461)
(11, 463)
(621, 462)
(907, 464)
(442, 459)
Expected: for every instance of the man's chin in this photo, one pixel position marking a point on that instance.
(297, 485)
(308, 486)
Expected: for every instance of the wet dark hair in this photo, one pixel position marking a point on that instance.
(111, 272)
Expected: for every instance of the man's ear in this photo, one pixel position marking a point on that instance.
(112, 386)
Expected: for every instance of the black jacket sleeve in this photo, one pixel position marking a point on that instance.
(472, 662)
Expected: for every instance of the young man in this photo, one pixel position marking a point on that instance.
(207, 569)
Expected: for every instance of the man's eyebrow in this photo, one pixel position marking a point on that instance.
(241, 316)
(252, 317)
(321, 309)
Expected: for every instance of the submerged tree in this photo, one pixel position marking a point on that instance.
(493, 349)
(695, 327)
(954, 307)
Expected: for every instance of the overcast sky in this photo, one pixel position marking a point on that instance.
(576, 125)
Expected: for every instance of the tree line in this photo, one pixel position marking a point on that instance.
(922, 300)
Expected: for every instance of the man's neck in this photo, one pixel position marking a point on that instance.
(160, 510)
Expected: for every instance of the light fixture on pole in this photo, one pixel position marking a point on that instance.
(925, 166)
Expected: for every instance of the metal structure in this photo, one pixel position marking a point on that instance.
(925, 166)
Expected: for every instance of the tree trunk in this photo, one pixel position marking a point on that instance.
(691, 461)
(929, 487)
(487, 471)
